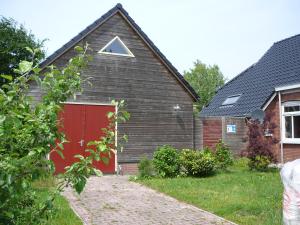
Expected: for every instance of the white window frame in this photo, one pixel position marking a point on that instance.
(292, 114)
(130, 54)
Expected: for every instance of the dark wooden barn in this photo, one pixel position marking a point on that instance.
(127, 65)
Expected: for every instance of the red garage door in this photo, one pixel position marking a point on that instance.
(81, 124)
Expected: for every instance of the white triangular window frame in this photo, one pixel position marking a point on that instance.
(112, 53)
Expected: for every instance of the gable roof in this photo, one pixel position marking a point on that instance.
(119, 9)
(279, 66)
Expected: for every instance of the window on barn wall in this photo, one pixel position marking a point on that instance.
(231, 100)
(116, 47)
(291, 121)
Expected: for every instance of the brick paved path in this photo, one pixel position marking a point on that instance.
(115, 200)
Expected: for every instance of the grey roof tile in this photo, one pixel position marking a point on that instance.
(279, 66)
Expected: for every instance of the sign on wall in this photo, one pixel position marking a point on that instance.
(231, 128)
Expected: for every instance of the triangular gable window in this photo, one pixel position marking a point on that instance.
(116, 47)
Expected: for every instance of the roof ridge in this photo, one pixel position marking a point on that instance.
(80, 35)
(156, 49)
(251, 66)
(237, 76)
(285, 39)
(119, 8)
(119, 5)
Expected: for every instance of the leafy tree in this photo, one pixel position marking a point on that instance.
(205, 80)
(29, 133)
(14, 39)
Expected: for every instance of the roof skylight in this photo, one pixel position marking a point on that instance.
(231, 100)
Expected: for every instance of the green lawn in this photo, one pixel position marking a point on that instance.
(240, 195)
(64, 215)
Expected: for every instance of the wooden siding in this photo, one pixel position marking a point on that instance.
(147, 86)
(237, 142)
(198, 132)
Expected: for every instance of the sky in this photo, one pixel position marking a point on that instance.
(233, 34)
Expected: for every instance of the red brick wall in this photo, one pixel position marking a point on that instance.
(290, 151)
(214, 128)
(129, 168)
(273, 107)
(212, 131)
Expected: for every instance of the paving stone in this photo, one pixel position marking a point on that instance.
(115, 200)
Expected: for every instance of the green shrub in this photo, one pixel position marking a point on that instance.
(223, 156)
(197, 163)
(166, 161)
(242, 162)
(260, 163)
(146, 169)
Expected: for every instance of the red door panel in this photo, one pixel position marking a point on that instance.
(71, 119)
(96, 118)
(81, 124)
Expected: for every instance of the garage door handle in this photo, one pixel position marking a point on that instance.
(81, 142)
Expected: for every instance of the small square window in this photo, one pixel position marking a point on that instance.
(231, 100)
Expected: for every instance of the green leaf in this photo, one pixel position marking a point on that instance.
(110, 115)
(97, 172)
(61, 146)
(126, 115)
(97, 157)
(60, 153)
(2, 118)
(79, 157)
(49, 204)
(36, 70)
(25, 66)
(125, 138)
(7, 77)
(105, 160)
(8, 179)
(79, 185)
(31, 153)
(37, 50)
(78, 49)
(29, 50)
(24, 184)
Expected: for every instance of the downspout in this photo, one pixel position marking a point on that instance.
(280, 126)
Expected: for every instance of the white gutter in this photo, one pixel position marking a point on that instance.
(269, 101)
(280, 126)
(288, 87)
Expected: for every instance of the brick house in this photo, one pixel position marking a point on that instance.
(272, 84)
